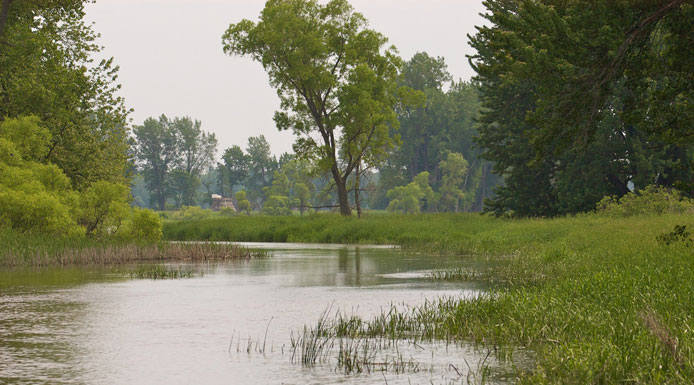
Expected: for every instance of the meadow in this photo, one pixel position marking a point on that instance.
(596, 299)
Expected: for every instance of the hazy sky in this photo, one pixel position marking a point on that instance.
(171, 59)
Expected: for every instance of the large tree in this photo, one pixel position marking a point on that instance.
(171, 155)
(562, 134)
(46, 70)
(335, 79)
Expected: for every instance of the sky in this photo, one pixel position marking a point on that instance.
(171, 59)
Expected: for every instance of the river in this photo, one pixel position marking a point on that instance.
(91, 326)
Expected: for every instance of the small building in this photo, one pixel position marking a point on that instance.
(219, 203)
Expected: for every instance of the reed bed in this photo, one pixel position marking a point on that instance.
(22, 250)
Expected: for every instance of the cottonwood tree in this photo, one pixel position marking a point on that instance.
(335, 79)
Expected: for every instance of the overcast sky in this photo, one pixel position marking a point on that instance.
(171, 60)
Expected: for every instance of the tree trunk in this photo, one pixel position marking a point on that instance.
(162, 202)
(618, 184)
(342, 195)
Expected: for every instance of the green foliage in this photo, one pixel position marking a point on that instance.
(335, 80)
(277, 205)
(192, 213)
(454, 169)
(172, 154)
(243, 204)
(441, 123)
(679, 234)
(143, 226)
(38, 198)
(33, 196)
(103, 208)
(227, 212)
(47, 70)
(576, 100)
(652, 200)
(408, 199)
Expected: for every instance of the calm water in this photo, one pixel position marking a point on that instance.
(93, 327)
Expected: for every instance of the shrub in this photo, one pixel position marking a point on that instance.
(227, 212)
(652, 200)
(193, 213)
(243, 204)
(277, 205)
(144, 225)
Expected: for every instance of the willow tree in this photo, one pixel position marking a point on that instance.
(336, 80)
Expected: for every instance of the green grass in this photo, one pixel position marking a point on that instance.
(599, 300)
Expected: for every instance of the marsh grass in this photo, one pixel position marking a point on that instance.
(597, 300)
(18, 250)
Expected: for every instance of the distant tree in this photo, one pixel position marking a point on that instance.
(454, 168)
(243, 204)
(409, 198)
(197, 147)
(236, 165)
(261, 166)
(335, 81)
(157, 153)
(163, 146)
(183, 187)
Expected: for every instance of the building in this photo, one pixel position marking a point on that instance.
(219, 203)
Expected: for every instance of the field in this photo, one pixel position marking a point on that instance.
(598, 300)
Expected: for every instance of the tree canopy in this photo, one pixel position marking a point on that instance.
(335, 77)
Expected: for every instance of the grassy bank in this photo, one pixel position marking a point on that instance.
(600, 300)
(18, 250)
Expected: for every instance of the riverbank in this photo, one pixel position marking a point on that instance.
(599, 300)
(21, 250)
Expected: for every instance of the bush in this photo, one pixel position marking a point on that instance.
(103, 208)
(652, 200)
(193, 213)
(227, 212)
(144, 225)
(277, 205)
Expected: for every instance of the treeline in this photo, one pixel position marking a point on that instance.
(435, 140)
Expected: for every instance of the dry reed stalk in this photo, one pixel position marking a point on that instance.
(123, 254)
(658, 328)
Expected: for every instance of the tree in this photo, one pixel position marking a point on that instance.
(444, 121)
(172, 154)
(243, 204)
(335, 81)
(454, 168)
(197, 147)
(532, 88)
(157, 154)
(409, 199)
(261, 168)
(236, 166)
(46, 70)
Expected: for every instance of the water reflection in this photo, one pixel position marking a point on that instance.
(89, 326)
